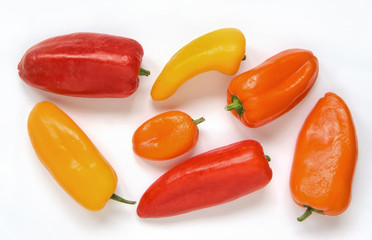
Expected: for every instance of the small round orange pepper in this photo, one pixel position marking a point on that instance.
(325, 158)
(71, 158)
(166, 136)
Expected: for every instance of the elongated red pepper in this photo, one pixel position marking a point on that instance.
(208, 179)
(84, 65)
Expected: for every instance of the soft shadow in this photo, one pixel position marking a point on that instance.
(316, 223)
(77, 213)
(204, 85)
(86, 105)
(165, 165)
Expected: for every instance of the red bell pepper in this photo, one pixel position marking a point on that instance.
(208, 179)
(84, 65)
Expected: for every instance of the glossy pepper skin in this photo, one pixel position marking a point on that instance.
(325, 159)
(166, 136)
(88, 65)
(70, 157)
(211, 178)
(274, 87)
(221, 50)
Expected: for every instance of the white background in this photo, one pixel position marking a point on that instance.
(33, 206)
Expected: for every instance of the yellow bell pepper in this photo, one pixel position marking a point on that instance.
(71, 158)
(221, 50)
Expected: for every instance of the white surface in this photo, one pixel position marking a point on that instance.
(33, 206)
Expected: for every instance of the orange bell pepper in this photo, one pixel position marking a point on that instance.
(274, 87)
(325, 159)
(71, 158)
(165, 136)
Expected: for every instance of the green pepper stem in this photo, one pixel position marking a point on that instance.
(245, 57)
(235, 105)
(144, 72)
(120, 199)
(199, 120)
(308, 212)
(267, 158)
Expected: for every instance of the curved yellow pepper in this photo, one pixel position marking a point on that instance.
(71, 158)
(221, 50)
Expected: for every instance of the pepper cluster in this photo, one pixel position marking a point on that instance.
(100, 65)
